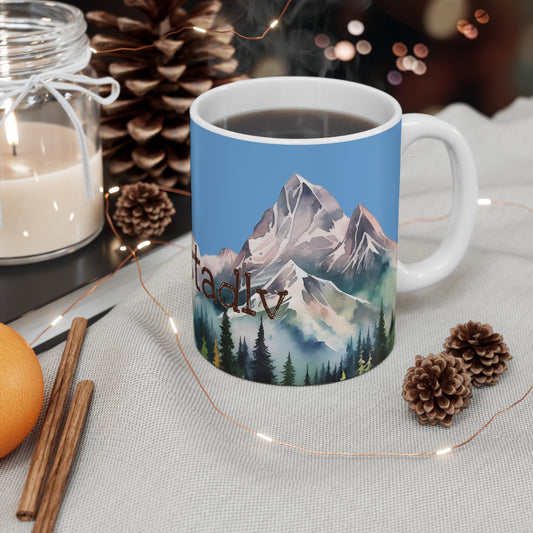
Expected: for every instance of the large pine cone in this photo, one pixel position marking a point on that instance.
(437, 388)
(143, 210)
(483, 351)
(145, 133)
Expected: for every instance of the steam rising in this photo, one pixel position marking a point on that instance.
(299, 44)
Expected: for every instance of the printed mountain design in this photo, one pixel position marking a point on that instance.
(335, 312)
(306, 223)
(365, 248)
(221, 263)
(314, 278)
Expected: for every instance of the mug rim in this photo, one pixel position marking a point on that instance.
(201, 102)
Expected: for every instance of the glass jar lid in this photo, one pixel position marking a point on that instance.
(37, 36)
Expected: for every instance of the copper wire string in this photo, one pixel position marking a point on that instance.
(511, 204)
(202, 30)
(443, 217)
(84, 295)
(133, 255)
(420, 220)
(176, 191)
(493, 417)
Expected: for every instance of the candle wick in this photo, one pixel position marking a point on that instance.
(14, 148)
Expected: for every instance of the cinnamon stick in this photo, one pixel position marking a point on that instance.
(31, 493)
(57, 480)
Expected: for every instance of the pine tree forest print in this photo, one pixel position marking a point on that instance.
(309, 299)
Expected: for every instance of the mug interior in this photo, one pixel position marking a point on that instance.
(295, 92)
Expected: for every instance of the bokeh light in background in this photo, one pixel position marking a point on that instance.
(471, 32)
(481, 16)
(408, 62)
(344, 50)
(394, 77)
(363, 47)
(441, 16)
(329, 53)
(355, 27)
(419, 68)
(462, 25)
(400, 64)
(322, 40)
(420, 50)
(399, 49)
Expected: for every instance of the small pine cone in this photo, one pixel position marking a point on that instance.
(437, 388)
(483, 351)
(143, 210)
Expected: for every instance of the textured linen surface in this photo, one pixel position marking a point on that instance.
(155, 456)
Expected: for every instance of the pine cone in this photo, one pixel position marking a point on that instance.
(437, 388)
(143, 210)
(145, 133)
(483, 351)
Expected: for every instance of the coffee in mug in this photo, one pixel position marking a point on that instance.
(295, 123)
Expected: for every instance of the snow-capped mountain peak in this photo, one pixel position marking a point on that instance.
(364, 248)
(305, 223)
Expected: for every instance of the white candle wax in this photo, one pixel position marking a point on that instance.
(44, 208)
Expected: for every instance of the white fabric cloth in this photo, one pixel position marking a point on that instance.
(155, 456)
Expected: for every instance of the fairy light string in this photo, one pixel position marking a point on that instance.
(78, 300)
(480, 202)
(198, 29)
(132, 255)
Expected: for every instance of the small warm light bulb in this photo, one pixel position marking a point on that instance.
(484, 201)
(123, 248)
(443, 451)
(264, 437)
(201, 30)
(274, 23)
(173, 324)
(114, 189)
(143, 244)
(93, 50)
(56, 320)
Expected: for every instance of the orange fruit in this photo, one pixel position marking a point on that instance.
(21, 389)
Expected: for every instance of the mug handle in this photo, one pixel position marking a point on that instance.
(443, 261)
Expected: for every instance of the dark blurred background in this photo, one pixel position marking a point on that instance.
(427, 53)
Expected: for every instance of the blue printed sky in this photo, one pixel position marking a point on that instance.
(240, 180)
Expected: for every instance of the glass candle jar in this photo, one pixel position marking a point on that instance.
(51, 185)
